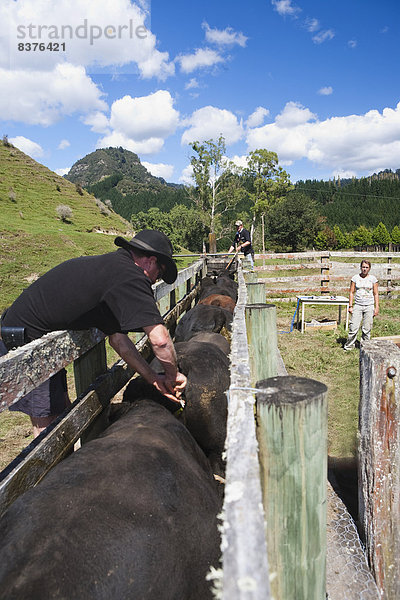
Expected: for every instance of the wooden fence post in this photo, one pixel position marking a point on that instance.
(250, 277)
(325, 274)
(292, 437)
(87, 368)
(255, 293)
(389, 275)
(262, 340)
(212, 240)
(379, 462)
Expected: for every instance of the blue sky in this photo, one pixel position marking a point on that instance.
(315, 81)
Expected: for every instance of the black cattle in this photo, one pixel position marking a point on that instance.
(206, 367)
(222, 284)
(202, 318)
(131, 515)
(212, 338)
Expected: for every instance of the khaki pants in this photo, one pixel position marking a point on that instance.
(361, 315)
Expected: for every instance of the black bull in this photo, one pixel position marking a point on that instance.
(133, 514)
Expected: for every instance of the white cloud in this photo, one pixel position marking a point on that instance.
(352, 43)
(312, 25)
(224, 37)
(98, 122)
(323, 36)
(100, 33)
(144, 117)
(294, 114)
(159, 169)
(384, 29)
(285, 7)
(343, 174)
(239, 161)
(203, 57)
(63, 144)
(142, 124)
(257, 117)
(326, 91)
(210, 122)
(368, 142)
(187, 175)
(62, 172)
(28, 146)
(148, 146)
(44, 97)
(192, 83)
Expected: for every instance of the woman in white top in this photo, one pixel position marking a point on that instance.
(364, 291)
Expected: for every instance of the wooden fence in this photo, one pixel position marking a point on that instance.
(329, 277)
(274, 513)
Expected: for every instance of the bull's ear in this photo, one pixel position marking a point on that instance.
(183, 365)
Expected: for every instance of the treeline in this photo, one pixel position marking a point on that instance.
(129, 198)
(367, 201)
(280, 216)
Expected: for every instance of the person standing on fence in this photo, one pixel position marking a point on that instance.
(364, 292)
(242, 242)
(111, 292)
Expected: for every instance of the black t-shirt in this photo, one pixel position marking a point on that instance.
(241, 237)
(108, 291)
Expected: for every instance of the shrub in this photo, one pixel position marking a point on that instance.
(64, 212)
(6, 142)
(79, 189)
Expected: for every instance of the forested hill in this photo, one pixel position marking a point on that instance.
(353, 202)
(117, 175)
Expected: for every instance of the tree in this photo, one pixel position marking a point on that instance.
(396, 234)
(362, 236)
(267, 182)
(380, 235)
(293, 222)
(216, 182)
(340, 237)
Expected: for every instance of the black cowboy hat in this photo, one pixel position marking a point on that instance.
(157, 244)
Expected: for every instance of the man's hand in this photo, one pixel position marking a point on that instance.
(171, 389)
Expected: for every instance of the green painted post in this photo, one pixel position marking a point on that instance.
(262, 340)
(250, 277)
(292, 437)
(255, 293)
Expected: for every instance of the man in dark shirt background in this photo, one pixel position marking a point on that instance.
(111, 292)
(242, 241)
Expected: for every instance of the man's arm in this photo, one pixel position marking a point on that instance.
(376, 298)
(351, 296)
(171, 385)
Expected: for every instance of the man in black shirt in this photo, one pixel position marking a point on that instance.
(111, 292)
(242, 242)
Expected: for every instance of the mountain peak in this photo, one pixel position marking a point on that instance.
(105, 162)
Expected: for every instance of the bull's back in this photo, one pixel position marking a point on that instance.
(131, 515)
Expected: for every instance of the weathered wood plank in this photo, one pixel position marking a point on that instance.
(244, 553)
(379, 462)
(293, 266)
(255, 292)
(292, 436)
(44, 454)
(25, 368)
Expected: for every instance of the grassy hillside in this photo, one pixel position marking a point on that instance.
(33, 238)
